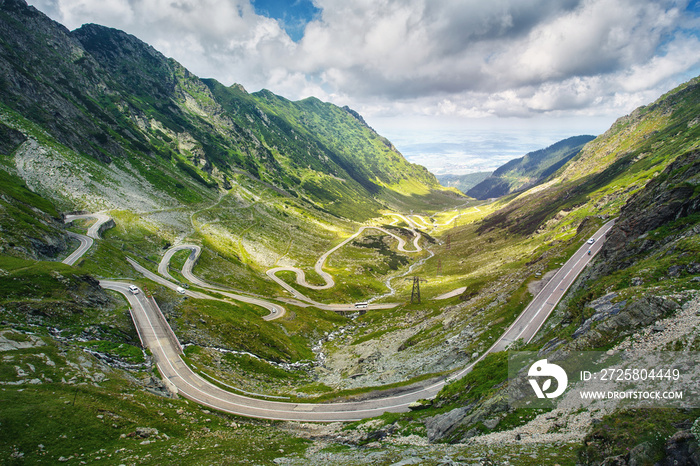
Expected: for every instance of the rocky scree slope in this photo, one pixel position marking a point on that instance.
(643, 294)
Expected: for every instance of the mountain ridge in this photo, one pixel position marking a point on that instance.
(106, 94)
(529, 170)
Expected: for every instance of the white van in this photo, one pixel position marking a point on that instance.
(360, 305)
(180, 290)
(133, 289)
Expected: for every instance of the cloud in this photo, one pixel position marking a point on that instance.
(224, 39)
(414, 47)
(466, 58)
(600, 37)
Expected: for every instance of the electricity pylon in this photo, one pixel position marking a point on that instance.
(415, 291)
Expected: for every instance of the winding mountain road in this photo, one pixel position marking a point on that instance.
(164, 265)
(85, 244)
(320, 263)
(94, 229)
(156, 334)
(181, 379)
(85, 241)
(276, 311)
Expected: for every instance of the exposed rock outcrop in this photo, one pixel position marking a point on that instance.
(670, 196)
(621, 318)
(682, 450)
(443, 424)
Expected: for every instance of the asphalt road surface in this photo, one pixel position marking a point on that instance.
(532, 318)
(94, 230)
(85, 241)
(155, 333)
(85, 244)
(276, 311)
(535, 314)
(157, 336)
(165, 261)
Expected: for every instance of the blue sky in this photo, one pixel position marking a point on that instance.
(434, 76)
(292, 15)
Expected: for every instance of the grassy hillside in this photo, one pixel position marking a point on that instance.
(641, 294)
(31, 225)
(600, 179)
(329, 154)
(95, 119)
(642, 291)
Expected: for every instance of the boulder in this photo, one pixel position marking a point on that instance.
(439, 426)
(641, 455)
(682, 450)
(145, 432)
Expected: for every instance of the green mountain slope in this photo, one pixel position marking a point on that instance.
(529, 170)
(611, 168)
(96, 119)
(30, 225)
(327, 151)
(119, 105)
(642, 291)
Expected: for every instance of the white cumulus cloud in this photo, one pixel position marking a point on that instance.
(466, 58)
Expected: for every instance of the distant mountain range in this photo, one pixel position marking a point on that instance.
(529, 170)
(463, 182)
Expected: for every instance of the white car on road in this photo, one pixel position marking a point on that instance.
(133, 289)
(591, 241)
